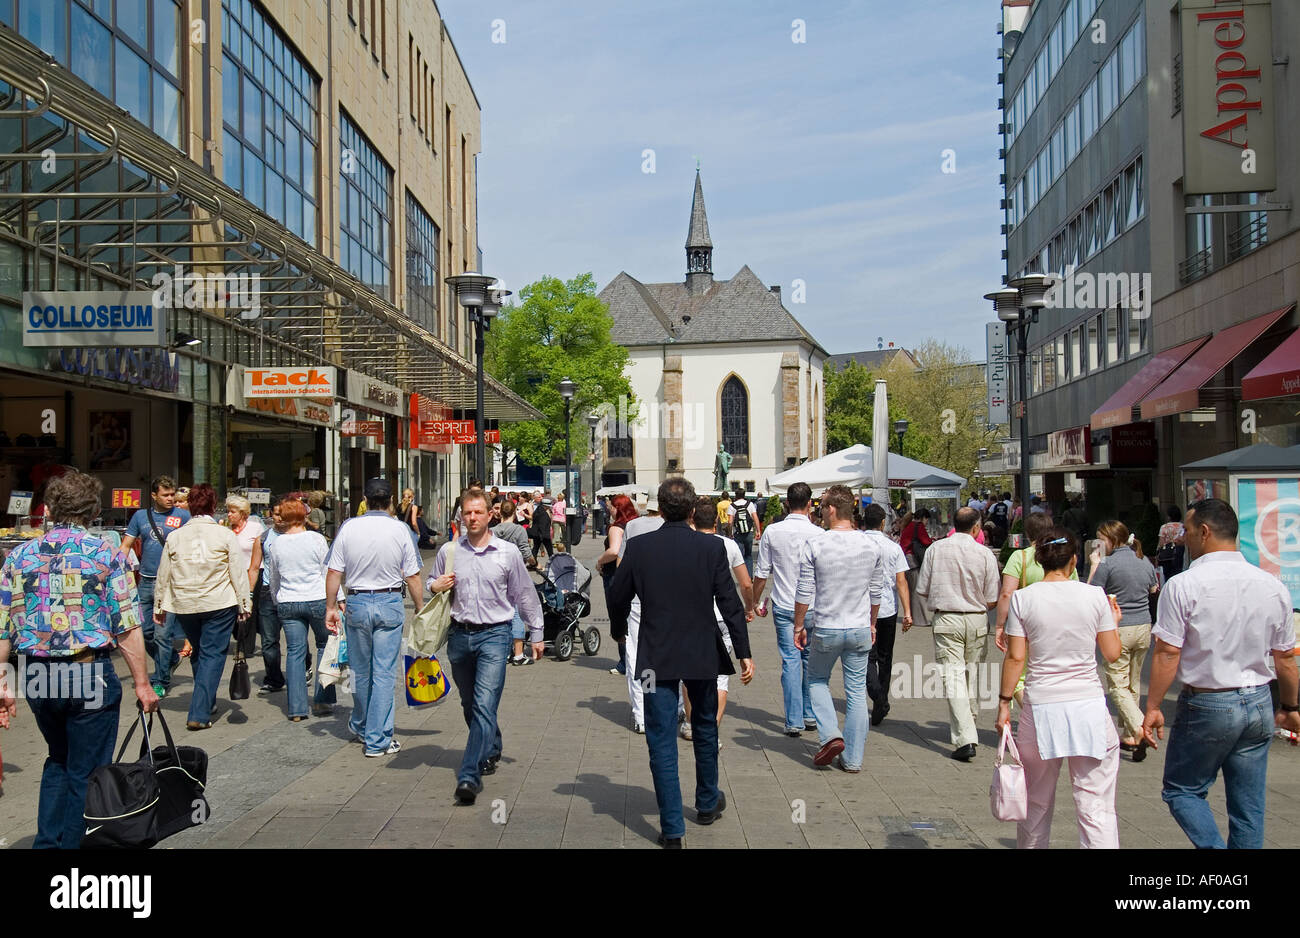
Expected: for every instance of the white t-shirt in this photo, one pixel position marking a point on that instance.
(895, 563)
(374, 551)
(247, 537)
(734, 559)
(1061, 622)
(295, 566)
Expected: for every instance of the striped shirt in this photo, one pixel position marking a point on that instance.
(845, 573)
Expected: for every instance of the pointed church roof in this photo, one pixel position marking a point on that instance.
(697, 236)
(741, 309)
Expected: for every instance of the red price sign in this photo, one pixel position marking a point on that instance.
(126, 498)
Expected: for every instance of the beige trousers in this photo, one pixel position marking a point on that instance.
(960, 641)
(1124, 677)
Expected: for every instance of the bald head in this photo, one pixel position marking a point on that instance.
(966, 519)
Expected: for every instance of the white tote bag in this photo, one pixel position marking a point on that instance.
(1008, 795)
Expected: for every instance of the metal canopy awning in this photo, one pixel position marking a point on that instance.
(174, 212)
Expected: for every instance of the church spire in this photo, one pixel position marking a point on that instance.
(699, 249)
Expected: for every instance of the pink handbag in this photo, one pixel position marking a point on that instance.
(1008, 795)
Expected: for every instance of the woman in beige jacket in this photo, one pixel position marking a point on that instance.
(203, 580)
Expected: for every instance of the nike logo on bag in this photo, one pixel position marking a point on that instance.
(91, 830)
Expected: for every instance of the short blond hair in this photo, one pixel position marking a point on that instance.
(239, 503)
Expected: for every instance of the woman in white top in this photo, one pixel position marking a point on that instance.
(295, 574)
(1057, 624)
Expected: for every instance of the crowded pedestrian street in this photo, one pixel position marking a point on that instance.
(573, 774)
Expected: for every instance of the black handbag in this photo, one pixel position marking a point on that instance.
(240, 686)
(137, 804)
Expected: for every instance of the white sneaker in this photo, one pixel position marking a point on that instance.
(393, 748)
(684, 730)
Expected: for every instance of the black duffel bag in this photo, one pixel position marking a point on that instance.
(137, 804)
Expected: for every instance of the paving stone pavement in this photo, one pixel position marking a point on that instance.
(574, 775)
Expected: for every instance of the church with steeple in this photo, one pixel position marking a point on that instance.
(712, 362)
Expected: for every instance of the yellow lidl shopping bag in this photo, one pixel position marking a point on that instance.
(426, 682)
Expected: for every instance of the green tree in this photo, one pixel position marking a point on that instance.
(850, 406)
(558, 329)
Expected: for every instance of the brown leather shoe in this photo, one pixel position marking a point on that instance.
(827, 753)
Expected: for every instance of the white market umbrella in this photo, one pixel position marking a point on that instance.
(855, 467)
(880, 446)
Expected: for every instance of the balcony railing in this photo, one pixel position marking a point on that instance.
(1249, 237)
(1196, 266)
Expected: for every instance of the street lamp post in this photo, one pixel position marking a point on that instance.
(1019, 304)
(592, 421)
(567, 387)
(900, 427)
(472, 293)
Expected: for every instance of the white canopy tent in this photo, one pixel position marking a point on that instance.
(853, 467)
(631, 490)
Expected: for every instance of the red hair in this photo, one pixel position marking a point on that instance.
(203, 499)
(293, 511)
(622, 510)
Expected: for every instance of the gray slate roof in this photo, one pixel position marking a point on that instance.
(870, 360)
(739, 309)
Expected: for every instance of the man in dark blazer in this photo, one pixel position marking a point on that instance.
(679, 574)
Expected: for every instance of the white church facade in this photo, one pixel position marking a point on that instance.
(713, 361)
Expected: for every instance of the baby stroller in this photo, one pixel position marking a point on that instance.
(564, 592)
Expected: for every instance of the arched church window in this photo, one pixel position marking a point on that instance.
(735, 417)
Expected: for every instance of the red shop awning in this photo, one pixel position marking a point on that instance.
(1118, 409)
(1277, 375)
(1181, 391)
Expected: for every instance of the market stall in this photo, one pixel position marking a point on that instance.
(853, 467)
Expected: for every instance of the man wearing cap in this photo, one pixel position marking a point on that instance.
(490, 582)
(375, 554)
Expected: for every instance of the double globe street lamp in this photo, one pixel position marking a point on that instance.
(567, 389)
(482, 303)
(1017, 305)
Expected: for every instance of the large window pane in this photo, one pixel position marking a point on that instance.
(92, 51)
(252, 125)
(166, 110)
(132, 85)
(1094, 346)
(366, 182)
(232, 167)
(166, 31)
(45, 24)
(1112, 336)
(133, 21)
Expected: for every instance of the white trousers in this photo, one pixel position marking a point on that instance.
(635, 691)
(1093, 781)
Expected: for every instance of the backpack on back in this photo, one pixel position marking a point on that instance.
(744, 522)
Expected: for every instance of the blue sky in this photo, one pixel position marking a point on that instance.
(821, 160)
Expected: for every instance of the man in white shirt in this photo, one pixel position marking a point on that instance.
(880, 663)
(779, 551)
(844, 571)
(959, 583)
(1217, 625)
(375, 553)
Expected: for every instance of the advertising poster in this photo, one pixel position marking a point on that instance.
(1269, 515)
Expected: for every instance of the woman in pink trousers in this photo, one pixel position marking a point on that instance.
(1057, 625)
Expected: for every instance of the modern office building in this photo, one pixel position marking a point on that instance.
(294, 181)
(1151, 157)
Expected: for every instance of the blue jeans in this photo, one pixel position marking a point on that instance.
(374, 626)
(746, 544)
(478, 666)
(157, 638)
(794, 669)
(661, 737)
(297, 617)
(80, 740)
(268, 626)
(851, 647)
(209, 636)
(1233, 731)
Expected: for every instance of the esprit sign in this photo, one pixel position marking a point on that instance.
(91, 318)
(1228, 103)
(288, 382)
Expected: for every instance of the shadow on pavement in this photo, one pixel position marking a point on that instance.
(613, 800)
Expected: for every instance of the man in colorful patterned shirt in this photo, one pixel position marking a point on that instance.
(66, 600)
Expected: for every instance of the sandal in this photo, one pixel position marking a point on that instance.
(187, 650)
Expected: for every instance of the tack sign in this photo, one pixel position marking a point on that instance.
(92, 319)
(314, 381)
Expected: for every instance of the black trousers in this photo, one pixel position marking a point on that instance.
(880, 662)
